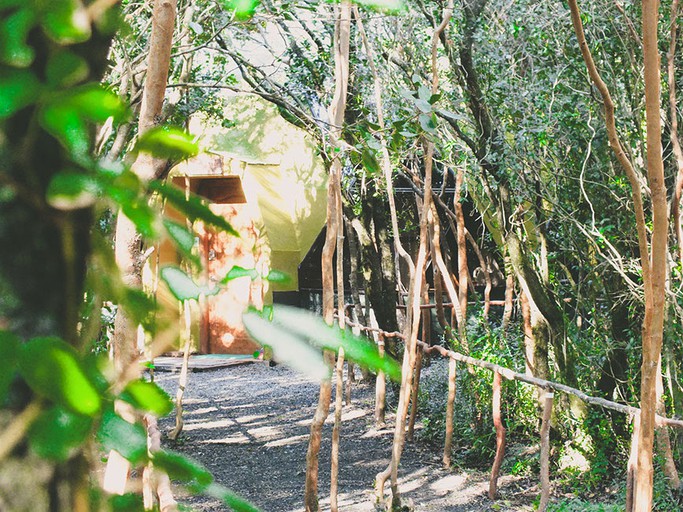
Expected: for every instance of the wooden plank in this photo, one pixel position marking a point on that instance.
(199, 363)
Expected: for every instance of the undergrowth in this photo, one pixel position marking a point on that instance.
(598, 486)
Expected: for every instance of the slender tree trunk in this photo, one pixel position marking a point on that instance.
(341, 314)
(450, 407)
(413, 312)
(547, 399)
(655, 290)
(426, 335)
(509, 292)
(336, 115)
(500, 435)
(128, 242)
(463, 272)
(354, 256)
(673, 132)
(182, 379)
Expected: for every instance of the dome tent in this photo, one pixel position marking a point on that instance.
(265, 177)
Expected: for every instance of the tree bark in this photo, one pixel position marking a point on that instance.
(545, 450)
(450, 407)
(128, 241)
(413, 313)
(463, 271)
(336, 114)
(500, 435)
(655, 290)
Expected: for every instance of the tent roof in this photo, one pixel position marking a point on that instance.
(280, 170)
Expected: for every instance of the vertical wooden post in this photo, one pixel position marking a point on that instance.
(500, 435)
(350, 379)
(545, 450)
(632, 463)
(182, 379)
(414, 396)
(380, 387)
(336, 432)
(452, 367)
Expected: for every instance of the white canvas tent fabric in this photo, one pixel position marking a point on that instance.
(283, 178)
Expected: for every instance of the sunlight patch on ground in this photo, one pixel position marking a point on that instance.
(347, 415)
(286, 441)
(205, 410)
(208, 425)
(225, 379)
(413, 480)
(448, 483)
(265, 433)
(250, 418)
(373, 432)
(189, 401)
(239, 406)
(361, 501)
(236, 439)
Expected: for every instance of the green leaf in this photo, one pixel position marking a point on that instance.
(165, 142)
(434, 98)
(14, 29)
(277, 276)
(451, 115)
(289, 348)
(63, 121)
(231, 499)
(148, 397)
(129, 439)
(193, 207)
(181, 468)
(67, 22)
(9, 348)
(52, 369)
(58, 433)
(18, 89)
(71, 190)
(236, 272)
(423, 105)
(96, 367)
(65, 115)
(181, 285)
(407, 94)
(428, 123)
(390, 6)
(424, 93)
(130, 502)
(370, 162)
(65, 69)
(184, 240)
(142, 215)
(243, 9)
(96, 103)
(305, 325)
(139, 306)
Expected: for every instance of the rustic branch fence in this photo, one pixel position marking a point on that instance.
(547, 398)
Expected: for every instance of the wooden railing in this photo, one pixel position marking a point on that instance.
(547, 394)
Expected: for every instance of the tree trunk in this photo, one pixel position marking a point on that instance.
(413, 312)
(463, 271)
(336, 114)
(128, 241)
(655, 290)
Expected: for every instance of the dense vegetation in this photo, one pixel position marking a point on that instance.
(486, 142)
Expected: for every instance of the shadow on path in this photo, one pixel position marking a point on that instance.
(249, 425)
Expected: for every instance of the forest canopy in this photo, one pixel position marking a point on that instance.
(504, 181)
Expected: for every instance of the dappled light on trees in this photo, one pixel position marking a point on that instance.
(495, 181)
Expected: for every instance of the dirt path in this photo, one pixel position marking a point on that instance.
(249, 425)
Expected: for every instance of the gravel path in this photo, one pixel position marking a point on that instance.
(249, 425)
